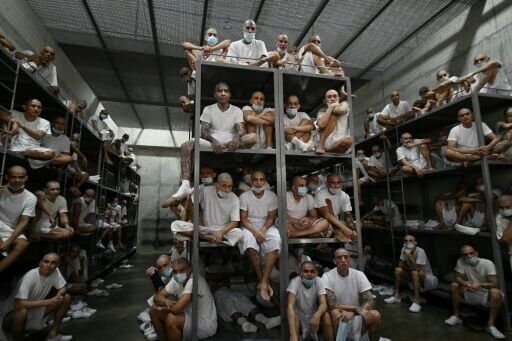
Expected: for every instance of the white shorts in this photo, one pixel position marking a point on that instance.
(477, 220)
(231, 302)
(272, 242)
(332, 139)
(230, 238)
(103, 224)
(304, 319)
(449, 212)
(6, 232)
(478, 297)
(206, 143)
(106, 135)
(421, 163)
(205, 328)
(430, 283)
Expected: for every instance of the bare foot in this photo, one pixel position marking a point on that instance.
(265, 291)
(342, 237)
(319, 150)
(108, 161)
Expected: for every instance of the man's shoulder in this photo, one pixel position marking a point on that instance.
(29, 195)
(486, 262)
(357, 273)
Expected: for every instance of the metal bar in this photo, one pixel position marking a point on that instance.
(203, 22)
(311, 21)
(258, 11)
(4, 157)
(139, 101)
(362, 29)
(496, 249)
(393, 48)
(388, 187)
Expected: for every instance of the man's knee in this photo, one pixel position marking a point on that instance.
(495, 295)
(21, 244)
(455, 287)
(67, 298)
(398, 271)
(154, 313)
(415, 274)
(172, 321)
(187, 145)
(250, 139)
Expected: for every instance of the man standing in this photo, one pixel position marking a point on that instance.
(104, 132)
(247, 51)
(413, 265)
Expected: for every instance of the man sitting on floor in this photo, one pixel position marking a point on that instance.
(17, 206)
(260, 236)
(259, 120)
(477, 283)
(59, 143)
(52, 210)
(303, 220)
(28, 306)
(298, 126)
(414, 266)
(307, 305)
(172, 317)
(395, 112)
(330, 202)
(247, 51)
(463, 143)
(414, 155)
(350, 300)
(222, 127)
(84, 212)
(220, 214)
(161, 273)
(333, 125)
(490, 78)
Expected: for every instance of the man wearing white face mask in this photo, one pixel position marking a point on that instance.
(258, 213)
(331, 202)
(377, 167)
(259, 120)
(245, 183)
(303, 220)
(84, 212)
(59, 143)
(413, 266)
(247, 51)
(17, 206)
(490, 78)
(476, 281)
(211, 51)
(504, 222)
(220, 214)
(298, 127)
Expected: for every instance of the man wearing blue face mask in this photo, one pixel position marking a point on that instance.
(172, 319)
(476, 281)
(17, 206)
(307, 305)
(371, 126)
(504, 222)
(220, 214)
(313, 183)
(303, 220)
(298, 127)
(330, 202)
(213, 50)
(259, 120)
(58, 142)
(249, 50)
(414, 266)
(160, 274)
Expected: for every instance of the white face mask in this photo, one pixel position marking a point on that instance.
(222, 194)
(506, 213)
(258, 189)
(361, 158)
(291, 112)
(207, 181)
(249, 36)
(12, 188)
(444, 78)
(257, 108)
(57, 132)
(247, 178)
(335, 191)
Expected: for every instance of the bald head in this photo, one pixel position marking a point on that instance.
(249, 25)
(16, 170)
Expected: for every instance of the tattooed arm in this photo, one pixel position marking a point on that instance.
(206, 135)
(366, 299)
(237, 137)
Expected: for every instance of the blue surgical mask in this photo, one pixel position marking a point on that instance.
(103, 117)
(180, 278)
(291, 112)
(308, 283)
(207, 181)
(472, 261)
(361, 158)
(249, 36)
(212, 40)
(302, 191)
(378, 155)
(335, 191)
(166, 273)
(371, 117)
(408, 245)
(312, 187)
(57, 132)
(12, 188)
(506, 213)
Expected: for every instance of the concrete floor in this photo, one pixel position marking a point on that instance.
(116, 316)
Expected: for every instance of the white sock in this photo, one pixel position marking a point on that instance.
(261, 318)
(248, 327)
(185, 183)
(273, 322)
(298, 143)
(241, 321)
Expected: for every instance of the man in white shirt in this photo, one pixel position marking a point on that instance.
(84, 212)
(58, 142)
(303, 220)
(463, 141)
(350, 299)
(504, 222)
(222, 127)
(307, 305)
(52, 209)
(490, 78)
(258, 213)
(161, 273)
(415, 267)
(28, 306)
(77, 107)
(333, 125)
(384, 212)
(17, 206)
(259, 120)
(414, 155)
(377, 163)
(28, 131)
(287, 61)
(104, 132)
(314, 60)
(188, 77)
(172, 317)
(477, 283)
(371, 126)
(247, 51)
(447, 88)
(245, 183)
(395, 112)
(211, 51)
(330, 202)
(298, 127)
(220, 214)
(313, 183)
(41, 63)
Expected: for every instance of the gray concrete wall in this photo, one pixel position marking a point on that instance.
(486, 27)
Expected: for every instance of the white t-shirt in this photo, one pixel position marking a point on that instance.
(294, 121)
(85, 210)
(222, 123)
(412, 154)
(379, 163)
(102, 125)
(258, 209)
(340, 202)
(342, 128)
(299, 209)
(59, 144)
(243, 186)
(306, 300)
(49, 74)
(420, 257)
(13, 206)
(206, 312)
(467, 137)
(374, 126)
(54, 207)
(307, 63)
(478, 273)
(217, 212)
(501, 226)
(241, 53)
(500, 86)
(390, 208)
(347, 289)
(24, 141)
(394, 111)
(34, 287)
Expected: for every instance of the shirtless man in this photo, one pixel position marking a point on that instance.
(333, 125)
(259, 120)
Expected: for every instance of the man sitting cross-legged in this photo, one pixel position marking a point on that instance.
(298, 126)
